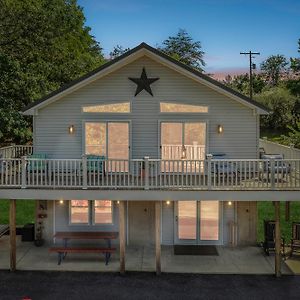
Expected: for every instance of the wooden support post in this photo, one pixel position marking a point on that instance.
(122, 236)
(277, 240)
(287, 210)
(158, 236)
(12, 234)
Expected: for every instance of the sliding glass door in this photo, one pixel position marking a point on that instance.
(109, 139)
(183, 140)
(197, 222)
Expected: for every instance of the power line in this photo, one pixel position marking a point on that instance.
(251, 67)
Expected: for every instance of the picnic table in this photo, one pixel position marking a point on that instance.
(65, 236)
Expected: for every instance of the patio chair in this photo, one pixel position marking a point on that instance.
(281, 167)
(223, 168)
(96, 164)
(39, 165)
(269, 234)
(295, 241)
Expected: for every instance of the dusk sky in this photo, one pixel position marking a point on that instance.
(224, 27)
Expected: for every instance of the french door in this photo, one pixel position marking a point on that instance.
(109, 139)
(198, 222)
(183, 140)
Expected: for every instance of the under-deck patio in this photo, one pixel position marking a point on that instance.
(231, 260)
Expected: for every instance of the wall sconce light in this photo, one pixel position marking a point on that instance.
(61, 202)
(71, 129)
(118, 202)
(168, 202)
(220, 129)
(229, 203)
(183, 152)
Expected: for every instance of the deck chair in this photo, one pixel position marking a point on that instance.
(96, 164)
(281, 167)
(269, 234)
(295, 241)
(37, 165)
(224, 169)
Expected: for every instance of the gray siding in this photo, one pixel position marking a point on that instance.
(239, 139)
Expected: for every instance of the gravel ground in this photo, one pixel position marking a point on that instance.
(136, 285)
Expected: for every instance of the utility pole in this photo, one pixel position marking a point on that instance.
(252, 66)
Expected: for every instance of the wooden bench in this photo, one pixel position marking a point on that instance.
(62, 252)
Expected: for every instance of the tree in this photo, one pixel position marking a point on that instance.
(295, 62)
(182, 47)
(240, 83)
(282, 105)
(273, 67)
(118, 51)
(293, 136)
(43, 45)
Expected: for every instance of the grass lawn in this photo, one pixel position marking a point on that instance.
(25, 211)
(266, 211)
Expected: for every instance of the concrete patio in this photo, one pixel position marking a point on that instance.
(240, 260)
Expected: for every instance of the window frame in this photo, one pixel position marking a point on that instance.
(91, 214)
(180, 103)
(88, 213)
(105, 113)
(94, 213)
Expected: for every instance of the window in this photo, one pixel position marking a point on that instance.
(79, 212)
(166, 107)
(108, 108)
(103, 212)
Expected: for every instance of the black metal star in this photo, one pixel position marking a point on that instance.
(143, 83)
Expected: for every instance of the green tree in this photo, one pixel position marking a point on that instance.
(241, 83)
(118, 51)
(273, 67)
(293, 136)
(182, 47)
(295, 62)
(43, 45)
(282, 105)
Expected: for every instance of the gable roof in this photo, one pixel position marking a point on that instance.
(181, 67)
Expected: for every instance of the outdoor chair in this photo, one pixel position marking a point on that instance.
(225, 168)
(38, 164)
(295, 241)
(96, 164)
(280, 167)
(269, 234)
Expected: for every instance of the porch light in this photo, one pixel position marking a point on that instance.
(118, 202)
(71, 129)
(229, 203)
(220, 129)
(61, 202)
(168, 202)
(183, 153)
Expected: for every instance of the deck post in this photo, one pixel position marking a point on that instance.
(122, 236)
(12, 234)
(23, 172)
(146, 162)
(84, 172)
(277, 240)
(158, 236)
(209, 157)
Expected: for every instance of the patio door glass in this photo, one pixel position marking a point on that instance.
(110, 139)
(197, 222)
(183, 140)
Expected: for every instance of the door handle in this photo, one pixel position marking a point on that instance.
(176, 218)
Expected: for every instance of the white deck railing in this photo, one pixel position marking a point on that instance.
(15, 151)
(151, 174)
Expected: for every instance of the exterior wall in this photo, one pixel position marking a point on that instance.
(58, 220)
(239, 139)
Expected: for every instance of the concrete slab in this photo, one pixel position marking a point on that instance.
(240, 260)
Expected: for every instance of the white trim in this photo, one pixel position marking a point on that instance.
(134, 56)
